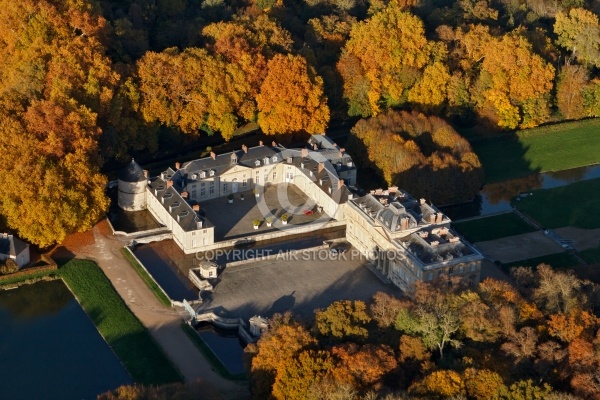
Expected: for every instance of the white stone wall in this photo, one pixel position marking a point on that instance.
(132, 195)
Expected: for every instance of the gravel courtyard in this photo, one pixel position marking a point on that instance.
(275, 286)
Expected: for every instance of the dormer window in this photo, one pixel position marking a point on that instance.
(203, 174)
(302, 165)
(234, 159)
(289, 160)
(266, 160)
(193, 176)
(257, 163)
(212, 172)
(274, 158)
(349, 164)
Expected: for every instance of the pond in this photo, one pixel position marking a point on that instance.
(225, 344)
(496, 197)
(50, 349)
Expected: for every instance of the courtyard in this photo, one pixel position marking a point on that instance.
(236, 219)
(313, 280)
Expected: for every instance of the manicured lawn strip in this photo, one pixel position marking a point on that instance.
(210, 356)
(128, 338)
(27, 277)
(577, 204)
(151, 283)
(592, 256)
(549, 148)
(495, 227)
(557, 260)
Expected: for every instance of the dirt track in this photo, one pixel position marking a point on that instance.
(162, 322)
(520, 247)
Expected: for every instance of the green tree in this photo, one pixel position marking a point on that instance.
(579, 32)
(343, 319)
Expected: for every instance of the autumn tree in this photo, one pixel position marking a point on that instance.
(57, 87)
(579, 32)
(385, 57)
(361, 366)
(442, 383)
(422, 154)
(514, 84)
(572, 82)
(296, 375)
(343, 319)
(291, 98)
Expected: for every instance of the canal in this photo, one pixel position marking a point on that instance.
(50, 349)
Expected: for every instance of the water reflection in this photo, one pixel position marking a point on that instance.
(226, 345)
(50, 349)
(496, 197)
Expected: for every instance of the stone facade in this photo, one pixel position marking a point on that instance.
(14, 248)
(132, 184)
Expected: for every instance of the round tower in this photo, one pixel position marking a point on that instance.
(132, 187)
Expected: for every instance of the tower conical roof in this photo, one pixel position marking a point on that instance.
(132, 173)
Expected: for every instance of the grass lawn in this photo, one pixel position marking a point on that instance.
(548, 148)
(151, 283)
(577, 204)
(495, 227)
(557, 260)
(142, 356)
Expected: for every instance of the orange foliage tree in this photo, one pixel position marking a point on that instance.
(291, 98)
(422, 154)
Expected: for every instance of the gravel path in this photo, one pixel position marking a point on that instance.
(163, 323)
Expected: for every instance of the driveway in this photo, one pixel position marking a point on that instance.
(162, 322)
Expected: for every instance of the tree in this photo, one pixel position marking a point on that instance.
(572, 82)
(483, 384)
(343, 319)
(557, 291)
(192, 90)
(57, 88)
(384, 309)
(443, 383)
(361, 366)
(423, 154)
(291, 98)
(384, 58)
(579, 32)
(298, 374)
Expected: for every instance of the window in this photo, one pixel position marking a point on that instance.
(257, 179)
(225, 186)
(460, 269)
(202, 184)
(257, 163)
(202, 192)
(211, 190)
(450, 270)
(266, 178)
(266, 160)
(274, 158)
(274, 175)
(202, 174)
(194, 186)
(429, 276)
(244, 182)
(472, 267)
(212, 172)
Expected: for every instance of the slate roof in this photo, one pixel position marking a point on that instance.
(179, 209)
(132, 173)
(11, 245)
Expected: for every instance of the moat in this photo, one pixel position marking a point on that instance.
(50, 349)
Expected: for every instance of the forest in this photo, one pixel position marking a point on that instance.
(86, 84)
(537, 339)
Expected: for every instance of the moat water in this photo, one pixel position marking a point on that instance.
(50, 349)
(496, 197)
(225, 344)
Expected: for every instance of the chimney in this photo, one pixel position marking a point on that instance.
(378, 192)
(315, 147)
(245, 148)
(177, 165)
(439, 218)
(432, 219)
(146, 173)
(404, 223)
(184, 195)
(321, 166)
(213, 155)
(260, 142)
(169, 184)
(196, 207)
(304, 153)
(340, 183)
(274, 143)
